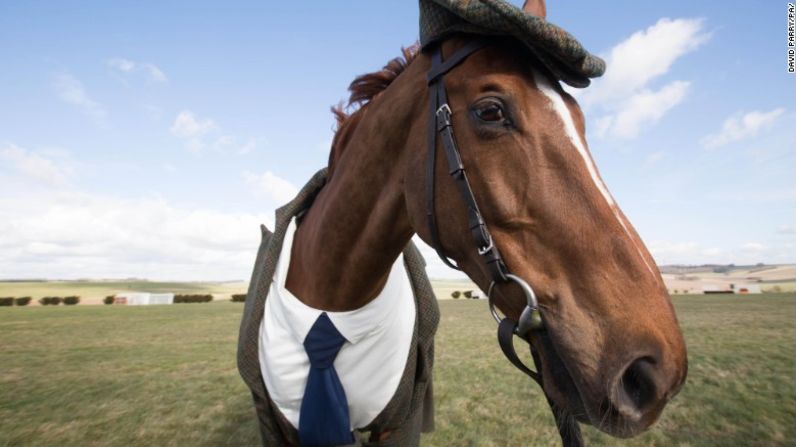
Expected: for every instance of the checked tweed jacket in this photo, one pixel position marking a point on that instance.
(410, 411)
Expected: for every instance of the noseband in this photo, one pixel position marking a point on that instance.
(439, 122)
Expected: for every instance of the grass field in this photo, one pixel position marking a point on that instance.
(166, 375)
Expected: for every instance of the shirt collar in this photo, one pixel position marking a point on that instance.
(354, 325)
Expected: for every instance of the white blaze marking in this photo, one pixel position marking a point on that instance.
(557, 103)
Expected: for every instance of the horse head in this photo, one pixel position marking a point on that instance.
(612, 353)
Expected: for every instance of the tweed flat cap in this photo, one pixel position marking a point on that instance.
(558, 50)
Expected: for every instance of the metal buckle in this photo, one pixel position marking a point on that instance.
(446, 118)
(530, 319)
(489, 246)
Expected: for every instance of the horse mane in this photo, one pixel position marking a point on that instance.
(363, 89)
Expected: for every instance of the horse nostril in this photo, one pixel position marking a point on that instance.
(638, 389)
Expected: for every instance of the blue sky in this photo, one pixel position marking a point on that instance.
(149, 139)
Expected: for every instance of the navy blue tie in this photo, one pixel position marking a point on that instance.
(324, 420)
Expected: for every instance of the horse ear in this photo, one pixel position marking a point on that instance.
(535, 7)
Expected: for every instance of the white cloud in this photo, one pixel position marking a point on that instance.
(200, 133)
(65, 232)
(249, 146)
(741, 126)
(643, 108)
(154, 73)
(272, 186)
(186, 125)
(191, 129)
(149, 70)
(664, 248)
(121, 64)
(230, 144)
(623, 94)
(71, 90)
(689, 252)
(643, 57)
(787, 229)
(712, 252)
(754, 246)
(34, 165)
(75, 234)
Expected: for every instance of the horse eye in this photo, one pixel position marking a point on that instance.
(491, 112)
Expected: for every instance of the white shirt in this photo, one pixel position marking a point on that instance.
(370, 363)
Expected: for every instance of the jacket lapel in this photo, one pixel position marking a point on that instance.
(264, 267)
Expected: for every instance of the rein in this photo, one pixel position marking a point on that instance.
(439, 123)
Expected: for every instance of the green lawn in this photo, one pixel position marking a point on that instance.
(166, 375)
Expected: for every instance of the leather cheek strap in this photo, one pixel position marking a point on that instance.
(440, 124)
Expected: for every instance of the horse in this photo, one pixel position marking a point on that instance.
(611, 353)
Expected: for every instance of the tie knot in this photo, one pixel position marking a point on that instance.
(323, 342)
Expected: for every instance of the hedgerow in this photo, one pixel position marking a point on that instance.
(193, 298)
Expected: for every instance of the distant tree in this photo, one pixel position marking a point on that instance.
(468, 294)
(193, 298)
(50, 300)
(456, 294)
(109, 299)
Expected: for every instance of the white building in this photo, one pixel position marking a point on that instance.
(747, 288)
(143, 299)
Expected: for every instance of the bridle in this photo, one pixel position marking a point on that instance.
(439, 122)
